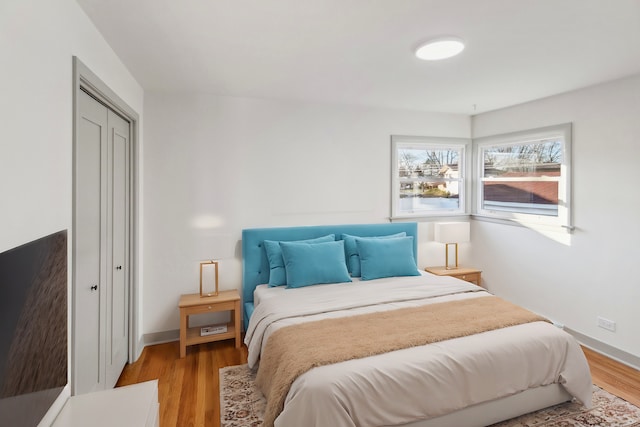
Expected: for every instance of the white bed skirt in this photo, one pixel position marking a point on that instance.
(494, 411)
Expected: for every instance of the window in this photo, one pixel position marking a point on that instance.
(428, 176)
(524, 176)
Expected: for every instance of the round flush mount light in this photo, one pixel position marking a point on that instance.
(441, 48)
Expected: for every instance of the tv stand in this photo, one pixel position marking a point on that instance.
(134, 405)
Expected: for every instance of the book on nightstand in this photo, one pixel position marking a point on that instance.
(213, 330)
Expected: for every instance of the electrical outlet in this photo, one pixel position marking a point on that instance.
(607, 324)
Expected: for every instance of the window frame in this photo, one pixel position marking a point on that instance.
(531, 136)
(429, 143)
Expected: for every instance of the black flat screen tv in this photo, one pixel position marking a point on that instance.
(33, 329)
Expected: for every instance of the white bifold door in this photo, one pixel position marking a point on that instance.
(101, 246)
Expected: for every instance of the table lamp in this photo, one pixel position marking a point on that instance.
(209, 274)
(451, 233)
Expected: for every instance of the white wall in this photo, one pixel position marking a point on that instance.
(216, 165)
(594, 273)
(38, 39)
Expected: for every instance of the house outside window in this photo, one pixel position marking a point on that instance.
(428, 176)
(525, 176)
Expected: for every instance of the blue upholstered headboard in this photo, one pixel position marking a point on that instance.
(255, 266)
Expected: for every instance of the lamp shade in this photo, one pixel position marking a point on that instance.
(452, 232)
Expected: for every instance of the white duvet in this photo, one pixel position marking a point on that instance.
(419, 382)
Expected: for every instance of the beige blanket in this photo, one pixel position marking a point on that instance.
(293, 350)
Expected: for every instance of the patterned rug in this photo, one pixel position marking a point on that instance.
(242, 405)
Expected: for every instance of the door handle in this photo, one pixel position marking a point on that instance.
(119, 267)
(94, 288)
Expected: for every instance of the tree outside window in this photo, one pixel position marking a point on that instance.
(525, 175)
(428, 175)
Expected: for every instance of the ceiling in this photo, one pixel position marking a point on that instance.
(360, 52)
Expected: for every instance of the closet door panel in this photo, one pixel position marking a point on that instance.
(89, 233)
(117, 303)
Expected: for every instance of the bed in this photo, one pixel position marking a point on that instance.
(467, 380)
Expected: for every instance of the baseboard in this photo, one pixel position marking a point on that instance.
(161, 337)
(606, 349)
(139, 347)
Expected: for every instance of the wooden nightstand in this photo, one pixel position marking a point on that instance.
(193, 304)
(472, 275)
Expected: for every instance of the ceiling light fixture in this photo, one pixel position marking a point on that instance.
(441, 48)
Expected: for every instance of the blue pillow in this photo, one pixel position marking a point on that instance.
(386, 257)
(314, 263)
(351, 251)
(277, 274)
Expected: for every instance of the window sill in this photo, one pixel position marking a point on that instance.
(519, 223)
(431, 217)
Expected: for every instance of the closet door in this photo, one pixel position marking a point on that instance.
(118, 292)
(89, 232)
(101, 246)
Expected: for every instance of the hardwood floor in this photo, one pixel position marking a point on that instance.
(614, 377)
(189, 390)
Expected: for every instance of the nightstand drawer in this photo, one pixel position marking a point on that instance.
(469, 277)
(206, 308)
(472, 275)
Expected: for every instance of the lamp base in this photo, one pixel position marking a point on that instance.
(446, 254)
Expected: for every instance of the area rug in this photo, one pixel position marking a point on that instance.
(242, 405)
